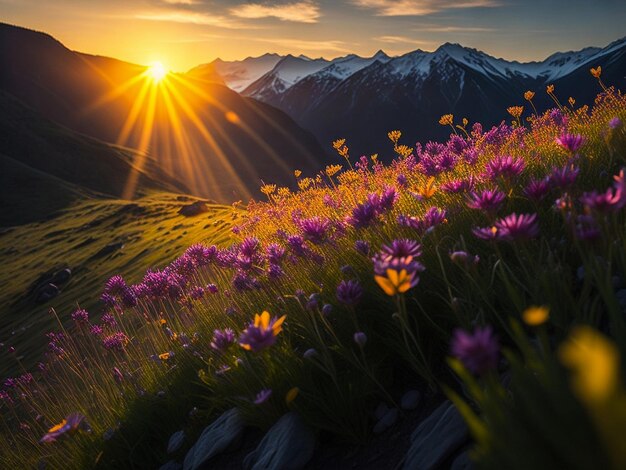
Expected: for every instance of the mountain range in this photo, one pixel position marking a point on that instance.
(361, 99)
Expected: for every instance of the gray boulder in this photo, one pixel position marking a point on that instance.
(288, 445)
(436, 438)
(223, 434)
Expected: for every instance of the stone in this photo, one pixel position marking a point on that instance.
(436, 438)
(195, 208)
(176, 440)
(47, 292)
(388, 420)
(171, 465)
(223, 434)
(410, 400)
(62, 276)
(462, 462)
(288, 445)
(380, 411)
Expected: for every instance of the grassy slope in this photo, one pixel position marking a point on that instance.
(152, 232)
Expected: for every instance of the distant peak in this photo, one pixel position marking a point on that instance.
(380, 54)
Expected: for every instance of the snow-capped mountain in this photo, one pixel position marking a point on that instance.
(238, 74)
(363, 98)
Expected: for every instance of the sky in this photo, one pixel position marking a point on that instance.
(184, 33)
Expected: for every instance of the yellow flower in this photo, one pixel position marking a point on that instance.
(374, 158)
(332, 169)
(403, 150)
(596, 72)
(396, 282)
(529, 95)
(304, 183)
(337, 144)
(263, 321)
(297, 173)
(465, 122)
(515, 111)
(550, 88)
(446, 120)
(572, 101)
(162, 321)
(291, 395)
(394, 136)
(165, 356)
(268, 189)
(283, 192)
(428, 189)
(535, 316)
(594, 363)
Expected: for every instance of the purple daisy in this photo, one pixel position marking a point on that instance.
(349, 292)
(571, 142)
(514, 227)
(488, 200)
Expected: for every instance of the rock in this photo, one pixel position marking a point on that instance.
(171, 465)
(436, 438)
(176, 440)
(288, 445)
(380, 411)
(223, 434)
(195, 208)
(388, 420)
(46, 293)
(410, 400)
(462, 462)
(108, 249)
(62, 276)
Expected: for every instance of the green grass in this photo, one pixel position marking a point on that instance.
(150, 228)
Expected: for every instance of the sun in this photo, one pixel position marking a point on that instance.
(157, 71)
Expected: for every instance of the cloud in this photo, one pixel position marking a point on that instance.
(300, 12)
(420, 7)
(453, 29)
(190, 17)
(401, 40)
(303, 44)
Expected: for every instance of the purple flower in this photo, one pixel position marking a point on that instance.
(115, 342)
(360, 338)
(108, 320)
(587, 228)
(349, 292)
(463, 258)
(478, 351)
(327, 309)
(488, 200)
(196, 293)
(615, 123)
(309, 353)
(486, 233)
(80, 316)
(401, 180)
(96, 330)
(403, 247)
(514, 226)
(115, 285)
(262, 396)
(505, 166)
(222, 339)
(315, 229)
(433, 217)
(70, 424)
(458, 186)
(261, 333)
(212, 288)
(363, 215)
(564, 177)
(361, 246)
(537, 189)
(571, 142)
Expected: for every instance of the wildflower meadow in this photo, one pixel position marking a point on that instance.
(488, 270)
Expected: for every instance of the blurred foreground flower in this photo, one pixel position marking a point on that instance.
(478, 351)
(397, 282)
(593, 361)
